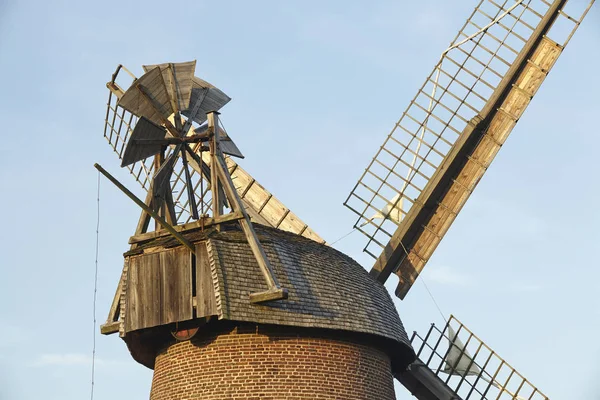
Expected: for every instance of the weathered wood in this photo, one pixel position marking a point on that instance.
(171, 141)
(113, 312)
(206, 302)
(190, 187)
(213, 99)
(268, 295)
(171, 216)
(114, 321)
(236, 203)
(143, 291)
(159, 109)
(477, 162)
(145, 218)
(424, 384)
(123, 298)
(227, 144)
(254, 196)
(109, 328)
(176, 285)
(217, 203)
(179, 80)
(147, 209)
(204, 222)
(447, 191)
(145, 141)
(148, 97)
(159, 289)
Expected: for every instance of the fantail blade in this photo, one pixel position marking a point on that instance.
(148, 97)
(210, 97)
(136, 149)
(228, 146)
(178, 79)
(162, 179)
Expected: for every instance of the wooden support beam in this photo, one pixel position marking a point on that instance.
(204, 222)
(424, 384)
(255, 245)
(213, 124)
(110, 327)
(220, 175)
(268, 295)
(144, 220)
(144, 207)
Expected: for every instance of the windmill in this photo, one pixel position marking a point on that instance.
(232, 295)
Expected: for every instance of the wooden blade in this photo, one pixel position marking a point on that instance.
(178, 79)
(228, 146)
(162, 178)
(212, 99)
(137, 151)
(148, 97)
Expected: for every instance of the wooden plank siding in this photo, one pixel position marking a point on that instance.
(159, 289)
(413, 243)
(206, 302)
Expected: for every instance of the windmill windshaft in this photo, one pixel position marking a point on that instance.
(452, 130)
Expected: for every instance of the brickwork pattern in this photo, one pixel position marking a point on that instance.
(271, 365)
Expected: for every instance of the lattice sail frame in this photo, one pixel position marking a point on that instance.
(262, 206)
(492, 376)
(454, 96)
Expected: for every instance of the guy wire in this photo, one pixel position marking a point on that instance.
(95, 285)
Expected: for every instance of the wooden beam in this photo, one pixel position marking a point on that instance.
(253, 241)
(424, 384)
(144, 220)
(268, 295)
(144, 207)
(217, 204)
(109, 328)
(205, 222)
(221, 175)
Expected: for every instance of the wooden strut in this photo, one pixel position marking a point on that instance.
(220, 174)
(147, 209)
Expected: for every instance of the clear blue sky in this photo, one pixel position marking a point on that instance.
(316, 86)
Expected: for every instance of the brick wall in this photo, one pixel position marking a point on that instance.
(271, 363)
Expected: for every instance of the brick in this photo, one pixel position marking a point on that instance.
(245, 364)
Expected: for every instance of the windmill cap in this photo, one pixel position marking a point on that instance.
(326, 288)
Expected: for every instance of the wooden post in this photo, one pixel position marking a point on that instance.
(213, 126)
(159, 206)
(221, 180)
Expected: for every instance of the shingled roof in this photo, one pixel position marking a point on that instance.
(327, 289)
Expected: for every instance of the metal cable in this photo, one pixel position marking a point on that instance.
(95, 286)
(343, 237)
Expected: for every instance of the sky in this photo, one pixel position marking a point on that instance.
(316, 87)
